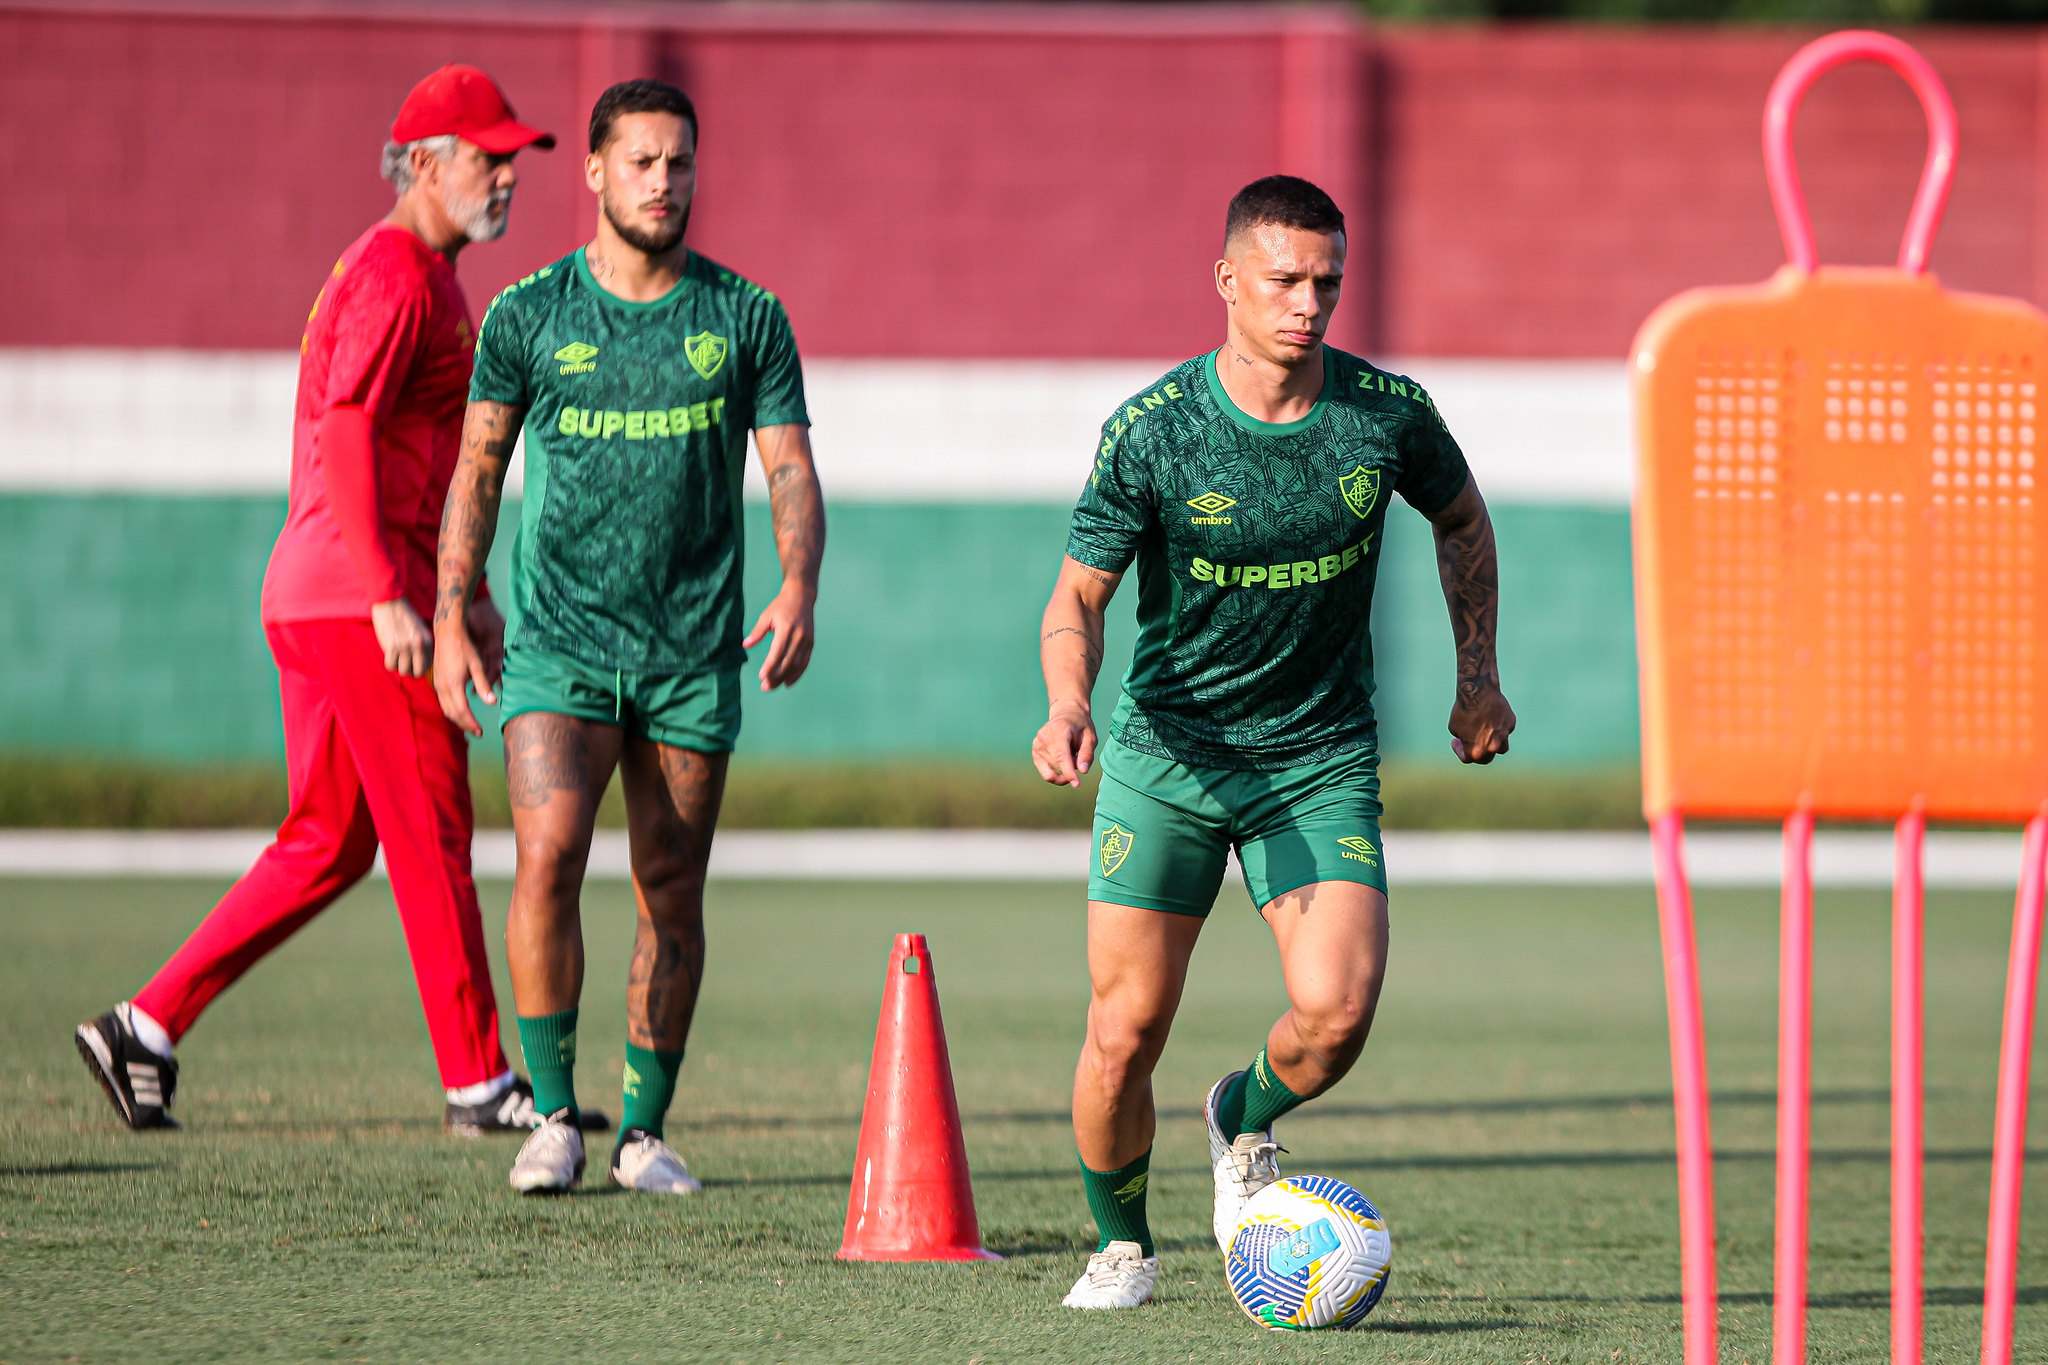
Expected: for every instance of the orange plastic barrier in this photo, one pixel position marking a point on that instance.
(1841, 610)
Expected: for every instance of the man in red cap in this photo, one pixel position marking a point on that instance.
(383, 377)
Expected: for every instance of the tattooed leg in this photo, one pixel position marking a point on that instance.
(672, 799)
(556, 768)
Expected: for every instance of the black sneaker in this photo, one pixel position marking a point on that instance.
(511, 1111)
(140, 1083)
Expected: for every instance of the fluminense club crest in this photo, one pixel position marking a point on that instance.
(1361, 489)
(1116, 846)
(706, 353)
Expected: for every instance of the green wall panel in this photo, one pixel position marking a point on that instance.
(1567, 636)
(128, 627)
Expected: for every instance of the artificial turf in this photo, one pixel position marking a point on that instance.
(1511, 1118)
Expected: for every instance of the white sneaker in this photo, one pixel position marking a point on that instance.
(645, 1163)
(1245, 1164)
(1120, 1276)
(551, 1161)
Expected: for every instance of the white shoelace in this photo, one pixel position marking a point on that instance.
(1266, 1154)
(1104, 1271)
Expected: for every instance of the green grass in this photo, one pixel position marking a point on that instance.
(38, 792)
(1510, 1117)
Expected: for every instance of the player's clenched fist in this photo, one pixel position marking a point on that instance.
(1065, 748)
(1480, 725)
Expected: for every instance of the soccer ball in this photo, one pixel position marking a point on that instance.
(1309, 1252)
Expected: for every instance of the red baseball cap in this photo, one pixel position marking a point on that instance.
(464, 101)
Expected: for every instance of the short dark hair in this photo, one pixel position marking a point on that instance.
(638, 97)
(1283, 200)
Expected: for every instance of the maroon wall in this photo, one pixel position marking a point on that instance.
(1547, 187)
(981, 181)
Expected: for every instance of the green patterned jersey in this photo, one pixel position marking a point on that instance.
(629, 547)
(1256, 544)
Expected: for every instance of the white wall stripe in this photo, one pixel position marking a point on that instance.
(1954, 860)
(886, 430)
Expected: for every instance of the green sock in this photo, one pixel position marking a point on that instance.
(549, 1043)
(650, 1085)
(1253, 1099)
(1117, 1199)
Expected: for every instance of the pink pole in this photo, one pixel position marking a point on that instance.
(1688, 1087)
(1795, 1087)
(1908, 913)
(2015, 1057)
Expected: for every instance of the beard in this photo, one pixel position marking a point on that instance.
(482, 219)
(654, 241)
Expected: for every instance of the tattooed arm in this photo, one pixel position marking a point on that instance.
(1481, 719)
(469, 521)
(798, 508)
(1070, 652)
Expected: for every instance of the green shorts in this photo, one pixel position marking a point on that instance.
(1162, 829)
(688, 710)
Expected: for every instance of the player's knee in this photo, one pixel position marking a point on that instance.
(1336, 1027)
(335, 854)
(548, 868)
(352, 859)
(1127, 1039)
(671, 875)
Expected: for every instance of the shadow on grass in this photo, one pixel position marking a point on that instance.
(82, 1168)
(1421, 1108)
(1478, 1161)
(1941, 1296)
(1535, 1104)
(317, 1127)
(1444, 1328)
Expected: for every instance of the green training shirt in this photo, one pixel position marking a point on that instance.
(1257, 544)
(629, 550)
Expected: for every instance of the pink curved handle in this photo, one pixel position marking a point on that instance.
(1808, 65)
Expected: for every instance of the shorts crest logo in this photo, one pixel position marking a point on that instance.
(578, 357)
(1116, 846)
(1361, 489)
(706, 353)
(1360, 850)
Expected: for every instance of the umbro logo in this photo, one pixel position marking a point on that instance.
(578, 357)
(1212, 506)
(1360, 850)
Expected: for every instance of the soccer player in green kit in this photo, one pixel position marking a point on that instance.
(636, 368)
(1250, 485)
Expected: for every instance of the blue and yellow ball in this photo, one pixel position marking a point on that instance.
(1310, 1252)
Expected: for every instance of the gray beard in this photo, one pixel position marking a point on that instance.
(640, 239)
(481, 220)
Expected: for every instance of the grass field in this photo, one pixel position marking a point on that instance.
(1511, 1118)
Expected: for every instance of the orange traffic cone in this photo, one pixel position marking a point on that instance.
(912, 1199)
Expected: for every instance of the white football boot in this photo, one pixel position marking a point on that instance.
(1119, 1276)
(645, 1163)
(1244, 1165)
(550, 1161)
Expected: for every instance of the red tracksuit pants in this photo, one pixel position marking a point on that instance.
(369, 758)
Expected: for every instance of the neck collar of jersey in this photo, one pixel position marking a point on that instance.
(630, 305)
(1253, 424)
